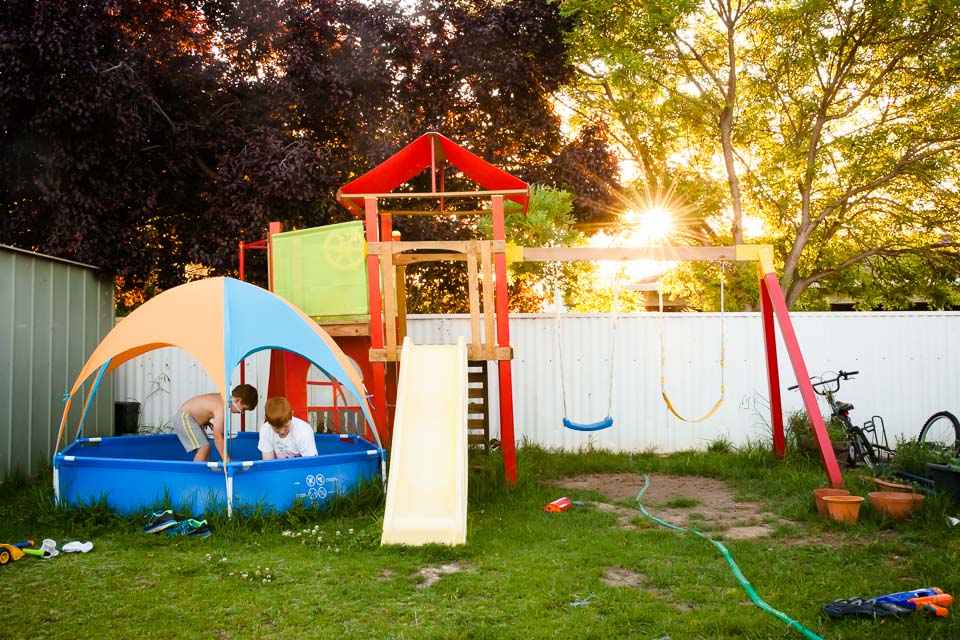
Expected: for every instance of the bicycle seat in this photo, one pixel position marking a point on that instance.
(844, 406)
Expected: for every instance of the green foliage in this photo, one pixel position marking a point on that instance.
(720, 444)
(799, 428)
(912, 456)
(832, 125)
(547, 223)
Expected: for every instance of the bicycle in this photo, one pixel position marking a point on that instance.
(940, 431)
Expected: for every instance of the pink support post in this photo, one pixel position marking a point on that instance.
(773, 373)
(772, 287)
(507, 443)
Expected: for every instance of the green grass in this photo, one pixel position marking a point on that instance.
(523, 574)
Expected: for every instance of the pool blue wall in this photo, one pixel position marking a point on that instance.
(137, 474)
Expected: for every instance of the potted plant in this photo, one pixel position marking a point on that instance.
(911, 457)
(800, 434)
(935, 463)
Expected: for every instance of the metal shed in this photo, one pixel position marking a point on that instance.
(53, 313)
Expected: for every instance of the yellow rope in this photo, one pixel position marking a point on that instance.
(663, 360)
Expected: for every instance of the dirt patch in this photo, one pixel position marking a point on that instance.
(694, 502)
(620, 577)
(432, 575)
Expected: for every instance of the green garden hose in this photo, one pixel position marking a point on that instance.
(791, 623)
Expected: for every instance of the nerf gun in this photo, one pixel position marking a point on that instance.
(931, 599)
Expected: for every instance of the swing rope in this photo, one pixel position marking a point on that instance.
(663, 356)
(607, 421)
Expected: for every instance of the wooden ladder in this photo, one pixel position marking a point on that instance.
(478, 405)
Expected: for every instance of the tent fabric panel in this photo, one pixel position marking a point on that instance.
(483, 172)
(289, 330)
(188, 316)
(389, 174)
(415, 157)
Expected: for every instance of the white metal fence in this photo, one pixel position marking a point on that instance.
(906, 363)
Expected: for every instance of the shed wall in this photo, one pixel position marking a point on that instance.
(53, 313)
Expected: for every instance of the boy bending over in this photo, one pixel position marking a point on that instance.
(206, 410)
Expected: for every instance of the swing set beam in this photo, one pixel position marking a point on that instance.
(773, 307)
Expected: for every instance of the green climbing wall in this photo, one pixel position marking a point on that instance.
(322, 271)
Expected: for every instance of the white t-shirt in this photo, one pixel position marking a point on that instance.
(299, 441)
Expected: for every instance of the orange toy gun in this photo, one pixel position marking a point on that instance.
(558, 505)
(932, 600)
(937, 605)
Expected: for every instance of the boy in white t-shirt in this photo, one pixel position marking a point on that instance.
(282, 435)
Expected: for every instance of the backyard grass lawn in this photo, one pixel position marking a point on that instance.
(600, 570)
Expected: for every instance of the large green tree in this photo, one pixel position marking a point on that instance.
(836, 123)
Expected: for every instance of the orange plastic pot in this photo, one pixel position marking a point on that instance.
(818, 495)
(844, 508)
(895, 505)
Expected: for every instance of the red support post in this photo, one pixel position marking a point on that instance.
(772, 287)
(507, 442)
(773, 372)
(272, 229)
(241, 262)
(376, 318)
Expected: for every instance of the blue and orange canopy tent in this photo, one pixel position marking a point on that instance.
(219, 321)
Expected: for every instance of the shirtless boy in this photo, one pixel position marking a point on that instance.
(207, 411)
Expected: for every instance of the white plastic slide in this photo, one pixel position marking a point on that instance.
(427, 486)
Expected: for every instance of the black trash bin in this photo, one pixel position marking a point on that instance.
(126, 417)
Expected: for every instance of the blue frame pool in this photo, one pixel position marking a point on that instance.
(135, 474)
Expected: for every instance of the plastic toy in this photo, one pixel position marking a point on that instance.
(9, 553)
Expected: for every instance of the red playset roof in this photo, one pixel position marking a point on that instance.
(429, 150)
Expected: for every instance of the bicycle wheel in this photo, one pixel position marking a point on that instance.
(860, 449)
(941, 430)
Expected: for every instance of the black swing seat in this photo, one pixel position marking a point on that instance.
(593, 426)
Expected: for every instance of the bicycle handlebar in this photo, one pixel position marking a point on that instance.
(841, 375)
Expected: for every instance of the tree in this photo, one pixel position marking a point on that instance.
(148, 138)
(836, 122)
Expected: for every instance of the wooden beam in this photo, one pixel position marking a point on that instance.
(456, 246)
(401, 272)
(412, 258)
(438, 194)
(445, 212)
(489, 298)
(499, 353)
(338, 329)
(388, 280)
(473, 282)
(591, 254)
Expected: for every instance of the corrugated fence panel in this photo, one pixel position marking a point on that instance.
(163, 379)
(53, 313)
(905, 362)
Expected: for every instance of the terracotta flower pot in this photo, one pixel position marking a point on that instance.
(886, 485)
(818, 496)
(844, 508)
(895, 505)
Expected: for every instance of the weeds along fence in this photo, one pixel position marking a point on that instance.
(907, 363)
